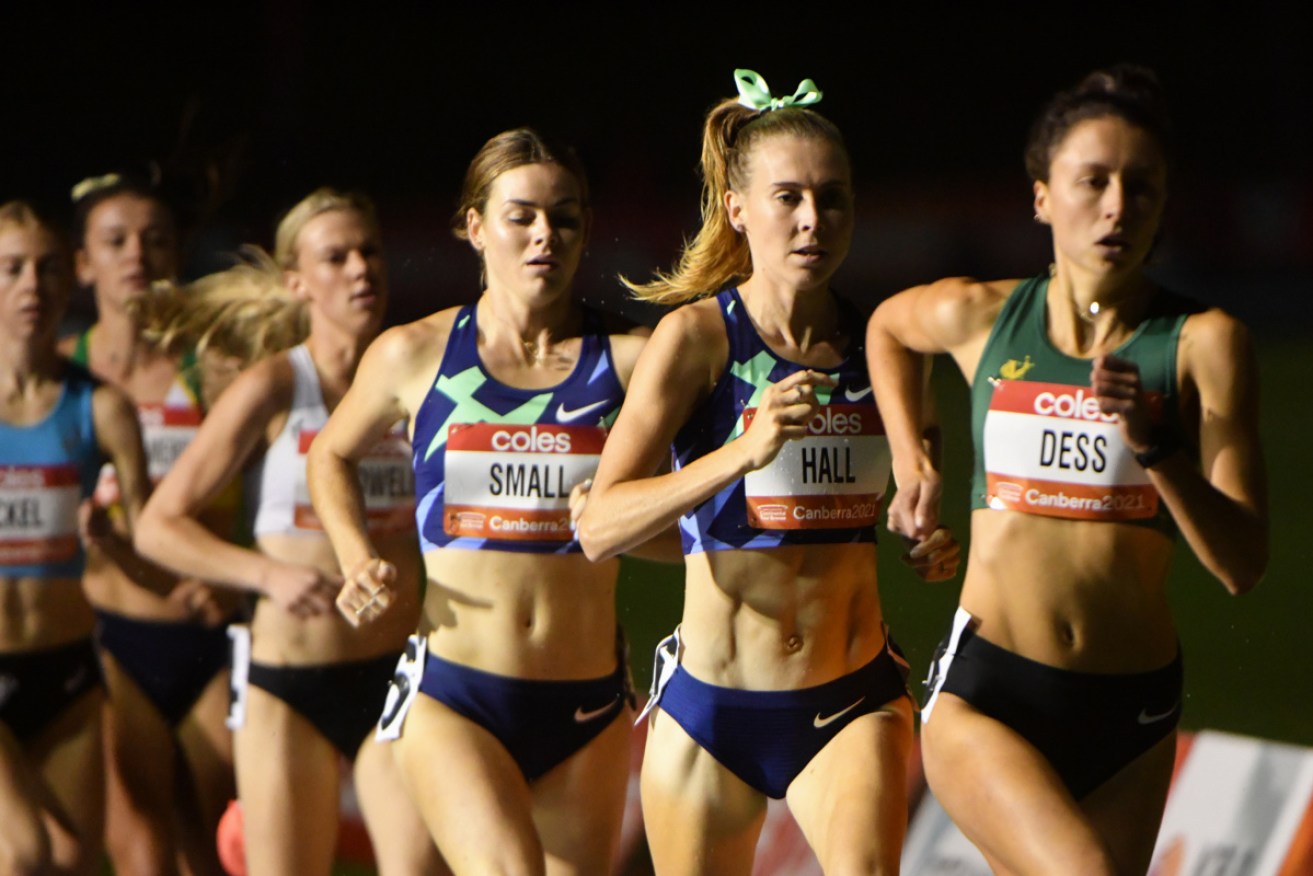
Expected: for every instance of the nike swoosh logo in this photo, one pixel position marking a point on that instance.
(818, 722)
(582, 716)
(856, 396)
(565, 415)
(1146, 718)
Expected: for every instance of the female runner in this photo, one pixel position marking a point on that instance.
(781, 680)
(1108, 414)
(163, 647)
(56, 426)
(518, 750)
(310, 687)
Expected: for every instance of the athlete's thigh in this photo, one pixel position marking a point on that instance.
(851, 800)
(70, 755)
(470, 792)
(401, 840)
(578, 806)
(207, 748)
(139, 746)
(139, 802)
(208, 780)
(699, 817)
(287, 782)
(1005, 796)
(1127, 810)
(24, 843)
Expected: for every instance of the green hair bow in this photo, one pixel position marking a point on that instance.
(755, 94)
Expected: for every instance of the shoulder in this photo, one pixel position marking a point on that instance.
(689, 345)
(407, 346)
(970, 293)
(267, 386)
(114, 417)
(944, 316)
(699, 321)
(1215, 344)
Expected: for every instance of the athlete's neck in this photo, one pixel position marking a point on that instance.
(526, 331)
(24, 366)
(794, 319)
(1088, 315)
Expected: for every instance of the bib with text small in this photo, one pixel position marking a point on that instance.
(39, 514)
(387, 484)
(513, 482)
(1050, 451)
(832, 478)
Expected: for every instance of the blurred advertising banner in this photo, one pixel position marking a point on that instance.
(1239, 807)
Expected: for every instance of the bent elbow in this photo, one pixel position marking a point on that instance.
(1246, 576)
(595, 545)
(146, 536)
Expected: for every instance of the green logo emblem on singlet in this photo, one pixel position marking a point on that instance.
(461, 387)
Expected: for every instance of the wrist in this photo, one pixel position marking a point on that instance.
(1163, 445)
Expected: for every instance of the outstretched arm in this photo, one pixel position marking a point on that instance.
(950, 316)
(1220, 507)
(170, 531)
(119, 436)
(364, 415)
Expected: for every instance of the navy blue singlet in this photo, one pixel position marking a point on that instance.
(494, 465)
(821, 489)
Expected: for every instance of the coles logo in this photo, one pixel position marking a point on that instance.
(531, 440)
(22, 479)
(1071, 405)
(830, 422)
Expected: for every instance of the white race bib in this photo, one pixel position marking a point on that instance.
(833, 478)
(403, 688)
(387, 483)
(1049, 451)
(513, 483)
(39, 514)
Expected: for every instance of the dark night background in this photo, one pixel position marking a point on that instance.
(934, 99)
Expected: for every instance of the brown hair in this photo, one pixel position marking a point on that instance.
(21, 214)
(93, 191)
(507, 151)
(719, 254)
(1127, 91)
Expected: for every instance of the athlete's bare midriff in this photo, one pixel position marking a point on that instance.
(524, 615)
(38, 613)
(281, 639)
(781, 618)
(1086, 596)
(111, 588)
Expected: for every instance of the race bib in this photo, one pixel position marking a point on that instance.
(403, 688)
(38, 514)
(387, 483)
(513, 483)
(165, 432)
(1050, 451)
(239, 676)
(833, 478)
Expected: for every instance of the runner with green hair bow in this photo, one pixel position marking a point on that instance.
(755, 94)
